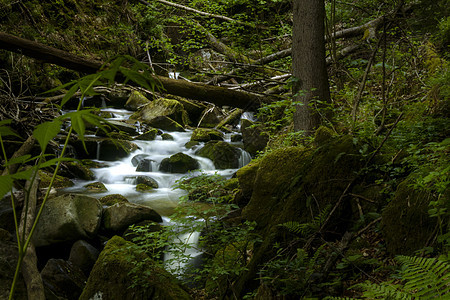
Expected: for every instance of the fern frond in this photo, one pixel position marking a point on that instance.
(427, 278)
(383, 291)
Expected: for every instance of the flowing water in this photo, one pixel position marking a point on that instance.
(119, 177)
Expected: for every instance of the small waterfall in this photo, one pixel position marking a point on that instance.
(245, 158)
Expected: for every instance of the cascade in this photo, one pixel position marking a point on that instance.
(119, 177)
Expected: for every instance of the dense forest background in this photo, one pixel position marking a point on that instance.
(388, 72)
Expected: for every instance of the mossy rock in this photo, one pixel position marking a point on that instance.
(114, 150)
(162, 108)
(167, 137)
(78, 170)
(110, 278)
(232, 118)
(179, 163)
(222, 154)
(322, 135)
(59, 182)
(166, 123)
(147, 180)
(206, 135)
(193, 108)
(246, 177)
(149, 135)
(286, 180)
(192, 144)
(406, 223)
(136, 100)
(144, 188)
(96, 187)
(112, 199)
(211, 117)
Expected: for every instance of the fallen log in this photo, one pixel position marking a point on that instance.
(197, 91)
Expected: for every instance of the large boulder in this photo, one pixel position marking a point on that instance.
(162, 107)
(68, 217)
(119, 216)
(62, 280)
(193, 108)
(166, 123)
(179, 163)
(122, 271)
(149, 135)
(112, 199)
(253, 137)
(284, 185)
(121, 126)
(206, 135)
(223, 155)
(103, 149)
(406, 224)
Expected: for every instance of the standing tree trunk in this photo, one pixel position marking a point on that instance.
(308, 63)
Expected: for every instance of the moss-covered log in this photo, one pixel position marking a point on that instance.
(217, 95)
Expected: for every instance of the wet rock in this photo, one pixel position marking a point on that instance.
(147, 180)
(68, 217)
(112, 199)
(192, 144)
(145, 165)
(111, 279)
(149, 135)
(179, 163)
(95, 187)
(223, 155)
(206, 135)
(144, 188)
(121, 126)
(236, 138)
(83, 255)
(232, 119)
(104, 149)
(138, 158)
(166, 123)
(167, 137)
(119, 216)
(136, 100)
(211, 117)
(253, 137)
(62, 279)
(162, 108)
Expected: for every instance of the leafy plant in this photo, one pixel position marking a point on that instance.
(45, 132)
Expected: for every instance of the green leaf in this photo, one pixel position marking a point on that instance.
(46, 131)
(5, 130)
(19, 160)
(6, 184)
(23, 175)
(70, 93)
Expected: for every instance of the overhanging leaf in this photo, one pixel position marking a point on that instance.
(46, 131)
(6, 184)
(54, 161)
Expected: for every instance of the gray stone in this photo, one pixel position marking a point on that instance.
(67, 218)
(83, 255)
(179, 163)
(121, 215)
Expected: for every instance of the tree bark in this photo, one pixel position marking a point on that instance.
(202, 92)
(308, 62)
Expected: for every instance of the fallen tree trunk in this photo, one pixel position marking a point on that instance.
(217, 95)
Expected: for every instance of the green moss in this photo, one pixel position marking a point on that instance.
(59, 182)
(136, 100)
(112, 275)
(113, 199)
(406, 224)
(246, 176)
(223, 155)
(179, 163)
(144, 188)
(149, 135)
(162, 107)
(96, 187)
(322, 135)
(206, 135)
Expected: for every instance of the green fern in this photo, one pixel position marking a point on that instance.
(426, 278)
(307, 228)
